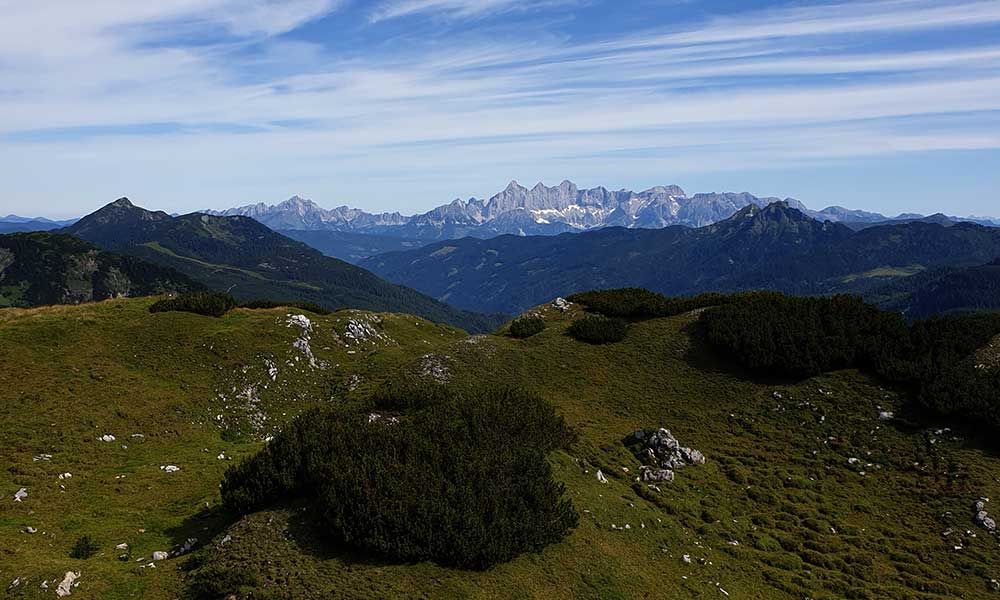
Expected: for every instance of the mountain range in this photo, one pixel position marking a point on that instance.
(776, 247)
(240, 255)
(16, 224)
(540, 210)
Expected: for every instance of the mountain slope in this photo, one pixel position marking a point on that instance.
(777, 247)
(48, 268)
(804, 493)
(941, 291)
(243, 256)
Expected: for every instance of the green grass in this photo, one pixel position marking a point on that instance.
(883, 272)
(777, 481)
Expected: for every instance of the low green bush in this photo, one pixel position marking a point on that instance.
(598, 330)
(525, 327)
(934, 360)
(637, 304)
(214, 582)
(460, 478)
(84, 548)
(266, 304)
(209, 304)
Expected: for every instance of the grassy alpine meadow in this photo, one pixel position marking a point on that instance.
(173, 389)
(805, 492)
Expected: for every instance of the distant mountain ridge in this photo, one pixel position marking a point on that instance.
(251, 261)
(18, 224)
(540, 210)
(776, 247)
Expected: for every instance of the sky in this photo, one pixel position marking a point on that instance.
(403, 105)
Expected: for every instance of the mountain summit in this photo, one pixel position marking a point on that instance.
(539, 210)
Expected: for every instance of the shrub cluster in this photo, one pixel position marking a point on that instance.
(266, 304)
(801, 337)
(210, 304)
(460, 478)
(779, 335)
(636, 304)
(84, 548)
(527, 326)
(595, 329)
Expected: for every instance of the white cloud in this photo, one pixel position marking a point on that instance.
(788, 87)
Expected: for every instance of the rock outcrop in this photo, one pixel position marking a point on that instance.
(661, 455)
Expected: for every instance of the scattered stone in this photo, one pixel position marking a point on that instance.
(302, 343)
(160, 555)
(221, 456)
(66, 584)
(886, 415)
(170, 468)
(41, 457)
(601, 477)
(434, 367)
(225, 540)
(65, 475)
(662, 455)
(188, 545)
(106, 438)
(686, 558)
(31, 530)
(648, 474)
(981, 517)
(561, 304)
(21, 494)
(374, 417)
(122, 546)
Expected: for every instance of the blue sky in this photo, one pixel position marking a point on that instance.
(888, 105)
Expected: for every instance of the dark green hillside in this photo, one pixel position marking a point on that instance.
(943, 291)
(49, 268)
(239, 255)
(777, 248)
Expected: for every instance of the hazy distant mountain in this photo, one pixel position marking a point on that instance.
(16, 224)
(540, 210)
(243, 256)
(43, 268)
(777, 247)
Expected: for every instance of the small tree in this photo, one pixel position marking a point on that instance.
(527, 326)
(84, 548)
(598, 330)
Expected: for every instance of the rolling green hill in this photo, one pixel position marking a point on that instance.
(805, 492)
(49, 268)
(240, 255)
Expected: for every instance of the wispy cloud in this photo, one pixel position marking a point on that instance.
(214, 97)
(393, 9)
